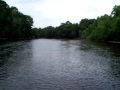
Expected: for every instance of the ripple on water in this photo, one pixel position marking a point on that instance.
(58, 65)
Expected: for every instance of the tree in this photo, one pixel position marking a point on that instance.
(104, 28)
(3, 18)
(84, 24)
(116, 11)
(14, 24)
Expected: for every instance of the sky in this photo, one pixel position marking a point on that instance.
(54, 12)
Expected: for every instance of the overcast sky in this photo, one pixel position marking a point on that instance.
(55, 12)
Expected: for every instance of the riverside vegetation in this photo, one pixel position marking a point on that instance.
(16, 25)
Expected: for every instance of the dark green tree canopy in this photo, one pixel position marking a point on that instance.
(116, 11)
(105, 28)
(14, 24)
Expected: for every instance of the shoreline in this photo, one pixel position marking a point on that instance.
(117, 42)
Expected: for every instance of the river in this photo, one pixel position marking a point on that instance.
(49, 64)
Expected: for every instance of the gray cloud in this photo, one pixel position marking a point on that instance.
(27, 1)
(54, 12)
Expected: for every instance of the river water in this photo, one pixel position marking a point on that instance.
(49, 64)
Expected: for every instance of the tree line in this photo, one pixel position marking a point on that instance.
(14, 24)
(66, 30)
(105, 28)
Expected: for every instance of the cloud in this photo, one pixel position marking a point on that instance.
(54, 12)
(27, 1)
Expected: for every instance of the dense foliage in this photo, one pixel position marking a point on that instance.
(105, 28)
(14, 24)
(65, 30)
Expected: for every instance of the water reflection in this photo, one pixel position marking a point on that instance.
(115, 65)
(45, 64)
(14, 55)
(108, 50)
